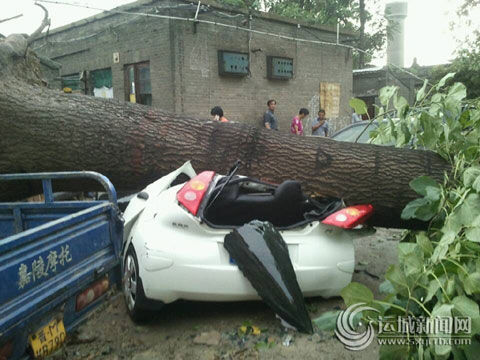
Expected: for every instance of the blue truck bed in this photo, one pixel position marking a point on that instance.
(57, 262)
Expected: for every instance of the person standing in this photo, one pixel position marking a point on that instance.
(297, 125)
(269, 119)
(320, 124)
(355, 117)
(217, 113)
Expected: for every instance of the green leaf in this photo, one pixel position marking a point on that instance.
(475, 248)
(448, 237)
(469, 210)
(398, 279)
(410, 210)
(400, 104)
(471, 175)
(386, 94)
(472, 351)
(464, 119)
(444, 310)
(465, 307)
(457, 93)
(476, 184)
(442, 82)
(453, 224)
(439, 252)
(424, 242)
(327, 321)
(422, 92)
(421, 183)
(427, 355)
(403, 135)
(422, 209)
(431, 130)
(450, 287)
(379, 113)
(405, 249)
(433, 287)
(358, 105)
(355, 293)
(437, 105)
(473, 234)
(411, 255)
(458, 354)
(386, 287)
(433, 193)
(471, 283)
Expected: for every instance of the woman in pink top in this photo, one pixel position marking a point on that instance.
(297, 126)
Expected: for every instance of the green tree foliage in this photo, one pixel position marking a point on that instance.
(438, 271)
(466, 67)
(466, 64)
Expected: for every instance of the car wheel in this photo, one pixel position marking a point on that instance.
(136, 302)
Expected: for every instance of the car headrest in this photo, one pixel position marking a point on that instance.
(290, 190)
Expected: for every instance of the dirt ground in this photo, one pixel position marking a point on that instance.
(210, 331)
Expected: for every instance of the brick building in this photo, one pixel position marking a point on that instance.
(368, 82)
(187, 67)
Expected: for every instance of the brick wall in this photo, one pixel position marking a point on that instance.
(184, 64)
(243, 99)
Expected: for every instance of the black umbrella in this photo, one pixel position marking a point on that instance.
(262, 255)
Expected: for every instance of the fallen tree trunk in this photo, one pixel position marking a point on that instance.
(45, 130)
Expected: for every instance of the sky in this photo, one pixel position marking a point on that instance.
(427, 33)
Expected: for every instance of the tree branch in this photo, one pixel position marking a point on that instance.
(45, 22)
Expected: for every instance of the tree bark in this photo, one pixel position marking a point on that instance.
(133, 145)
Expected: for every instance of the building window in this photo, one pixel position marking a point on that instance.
(101, 83)
(137, 83)
(73, 83)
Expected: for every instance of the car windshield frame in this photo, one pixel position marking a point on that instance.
(360, 125)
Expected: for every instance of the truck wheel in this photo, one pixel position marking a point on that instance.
(136, 302)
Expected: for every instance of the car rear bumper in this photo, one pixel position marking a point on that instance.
(168, 280)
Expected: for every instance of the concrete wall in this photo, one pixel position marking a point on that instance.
(184, 63)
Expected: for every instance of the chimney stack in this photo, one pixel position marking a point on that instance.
(396, 12)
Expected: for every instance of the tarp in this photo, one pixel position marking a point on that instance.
(103, 92)
(101, 78)
(262, 255)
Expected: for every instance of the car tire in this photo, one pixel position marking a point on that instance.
(138, 306)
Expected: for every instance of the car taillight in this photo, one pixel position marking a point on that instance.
(349, 217)
(94, 291)
(6, 350)
(192, 193)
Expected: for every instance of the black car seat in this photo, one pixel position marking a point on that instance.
(286, 206)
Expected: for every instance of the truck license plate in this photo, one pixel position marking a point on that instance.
(48, 339)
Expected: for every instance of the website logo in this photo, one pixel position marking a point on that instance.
(347, 332)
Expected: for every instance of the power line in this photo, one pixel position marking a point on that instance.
(196, 20)
(109, 28)
(193, 20)
(11, 18)
(408, 72)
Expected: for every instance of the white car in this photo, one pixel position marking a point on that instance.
(174, 233)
